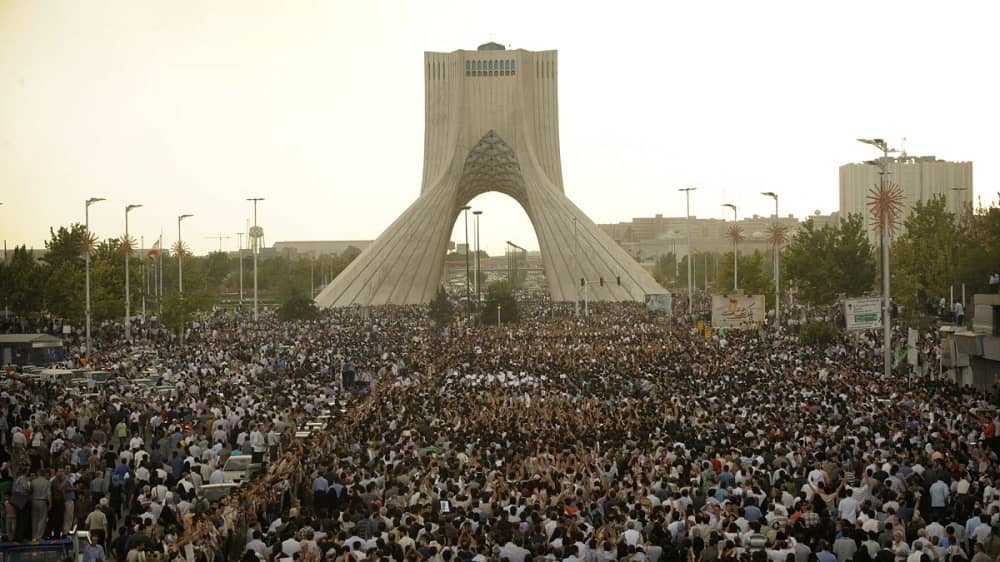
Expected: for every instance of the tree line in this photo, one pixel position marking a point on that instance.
(54, 284)
(934, 251)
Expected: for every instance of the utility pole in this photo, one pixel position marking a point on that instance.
(687, 195)
(735, 236)
(256, 233)
(86, 219)
(777, 260)
(886, 218)
(239, 236)
(468, 293)
(180, 277)
(127, 249)
(478, 270)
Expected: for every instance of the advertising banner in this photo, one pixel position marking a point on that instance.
(737, 311)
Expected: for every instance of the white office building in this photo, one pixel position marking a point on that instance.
(919, 178)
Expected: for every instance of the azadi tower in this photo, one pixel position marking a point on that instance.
(492, 124)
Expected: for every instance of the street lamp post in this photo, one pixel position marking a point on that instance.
(127, 248)
(478, 271)
(239, 238)
(883, 165)
(255, 235)
(736, 263)
(958, 256)
(180, 256)
(86, 218)
(687, 196)
(468, 293)
(777, 262)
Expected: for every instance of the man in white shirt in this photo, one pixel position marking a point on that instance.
(513, 552)
(631, 536)
(848, 508)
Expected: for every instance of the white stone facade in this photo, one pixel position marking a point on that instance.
(491, 124)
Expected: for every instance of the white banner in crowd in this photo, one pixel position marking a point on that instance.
(737, 311)
(863, 314)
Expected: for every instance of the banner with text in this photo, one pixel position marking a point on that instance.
(737, 311)
(863, 314)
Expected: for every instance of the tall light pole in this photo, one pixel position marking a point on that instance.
(239, 237)
(180, 255)
(468, 293)
(777, 262)
(883, 165)
(956, 191)
(477, 213)
(256, 233)
(687, 196)
(86, 219)
(736, 263)
(127, 248)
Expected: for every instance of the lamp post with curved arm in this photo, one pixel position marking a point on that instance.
(736, 263)
(127, 249)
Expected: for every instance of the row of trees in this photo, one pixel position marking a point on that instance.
(935, 252)
(54, 284)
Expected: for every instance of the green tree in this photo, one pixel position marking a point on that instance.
(823, 263)
(216, 266)
(179, 309)
(925, 258)
(665, 269)
(350, 253)
(754, 275)
(65, 245)
(500, 293)
(700, 262)
(298, 307)
(64, 290)
(20, 279)
(979, 252)
(442, 311)
(63, 276)
(107, 281)
(853, 258)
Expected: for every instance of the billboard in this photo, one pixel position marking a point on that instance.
(659, 302)
(737, 311)
(863, 314)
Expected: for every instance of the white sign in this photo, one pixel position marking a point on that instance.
(737, 311)
(659, 302)
(863, 314)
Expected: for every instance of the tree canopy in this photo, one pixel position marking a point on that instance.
(823, 263)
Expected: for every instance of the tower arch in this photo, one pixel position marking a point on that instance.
(490, 131)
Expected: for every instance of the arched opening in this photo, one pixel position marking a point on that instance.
(508, 249)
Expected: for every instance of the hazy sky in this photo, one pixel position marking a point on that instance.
(192, 106)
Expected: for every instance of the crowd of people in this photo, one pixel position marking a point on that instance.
(612, 437)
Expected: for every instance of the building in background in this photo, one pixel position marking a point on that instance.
(646, 238)
(919, 177)
(316, 248)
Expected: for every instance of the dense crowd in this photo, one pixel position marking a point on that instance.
(612, 437)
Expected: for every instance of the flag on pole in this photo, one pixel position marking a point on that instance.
(155, 250)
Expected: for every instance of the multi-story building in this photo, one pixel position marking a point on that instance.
(919, 177)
